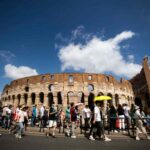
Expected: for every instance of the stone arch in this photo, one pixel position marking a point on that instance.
(13, 98)
(51, 87)
(25, 98)
(33, 97)
(90, 87)
(100, 93)
(59, 98)
(70, 96)
(91, 100)
(50, 99)
(81, 97)
(26, 88)
(110, 102)
(9, 98)
(41, 96)
(123, 99)
(106, 78)
(19, 98)
(116, 100)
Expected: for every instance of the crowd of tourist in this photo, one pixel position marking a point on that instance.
(94, 120)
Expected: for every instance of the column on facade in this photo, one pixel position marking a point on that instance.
(46, 99)
(37, 99)
(22, 99)
(113, 100)
(29, 101)
(15, 102)
(64, 100)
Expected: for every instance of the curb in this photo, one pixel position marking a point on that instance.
(60, 135)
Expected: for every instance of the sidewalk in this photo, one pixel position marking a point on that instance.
(34, 131)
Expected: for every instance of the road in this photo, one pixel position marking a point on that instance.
(9, 142)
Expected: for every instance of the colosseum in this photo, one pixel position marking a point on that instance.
(66, 88)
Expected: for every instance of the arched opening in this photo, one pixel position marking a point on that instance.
(13, 98)
(9, 98)
(19, 98)
(26, 89)
(106, 79)
(110, 101)
(51, 87)
(100, 94)
(90, 87)
(33, 96)
(50, 99)
(91, 100)
(81, 97)
(59, 98)
(116, 100)
(25, 99)
(70, 96)
(41, 95)
(138, 101)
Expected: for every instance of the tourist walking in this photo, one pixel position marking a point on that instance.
(15, 124)
(41, 114)
(20, 123)
(67, 116)
(86, 115)
(52, 120)
(139, 124)
(26, 117)
(97, 121)
(4, 116)
(126, 109)
(73, 117)
(121, 117)
(45, 120)
(34, 115)
(112, 114)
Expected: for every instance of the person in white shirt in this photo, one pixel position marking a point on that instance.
(4, 116)
(139, 124)
(86, 114)
(98, 123)
(9, 113)
(20, 120)
(126, 109)
(42, 109)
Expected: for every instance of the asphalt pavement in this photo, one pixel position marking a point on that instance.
(9, 142)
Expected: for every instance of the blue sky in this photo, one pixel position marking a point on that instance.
(39, 34)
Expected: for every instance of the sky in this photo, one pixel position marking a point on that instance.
(57, 36)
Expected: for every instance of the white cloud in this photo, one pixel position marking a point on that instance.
(6, 55)
(99, 56)
(14, 72)
(131, 58)
(78, 32)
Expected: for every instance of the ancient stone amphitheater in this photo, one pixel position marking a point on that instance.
(66, 88)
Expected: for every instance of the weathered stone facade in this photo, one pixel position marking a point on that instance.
(141, 86)
(66, 88)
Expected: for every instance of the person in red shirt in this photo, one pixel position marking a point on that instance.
(73, 119)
